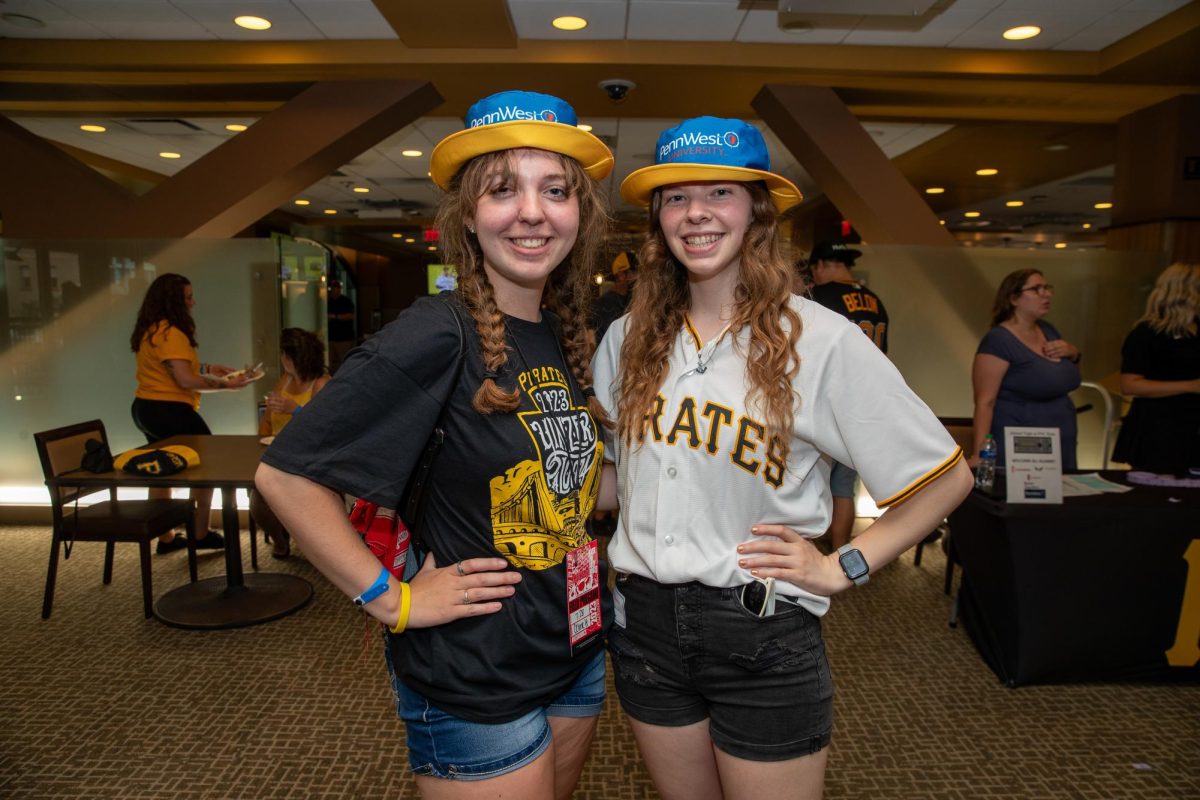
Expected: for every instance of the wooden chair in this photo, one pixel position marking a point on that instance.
(142, 521)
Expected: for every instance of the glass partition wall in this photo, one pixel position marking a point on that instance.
(67, 309)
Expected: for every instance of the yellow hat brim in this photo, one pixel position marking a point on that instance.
(639, 187)
(458, 148)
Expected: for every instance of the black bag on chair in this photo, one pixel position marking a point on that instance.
(97, 457)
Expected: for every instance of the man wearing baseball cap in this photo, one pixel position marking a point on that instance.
(836, 288)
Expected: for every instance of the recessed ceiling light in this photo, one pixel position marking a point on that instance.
(1022, 32)
(585, 128)
(972, 214)
(1015, 203)
(236, 127)
(331, 211)
(1060, 245)
(252, 23)
(1087, 226)
(570, 23)
(986, 171)
(1102, 206)
(941, 222)
(361, 189)
(410, 241)
(169, 155)
(93, 128)
(411, 153)
(301, 202)
(22, 20)
(397, 235)
(432, 247)
(1054, 148)
(935, 190)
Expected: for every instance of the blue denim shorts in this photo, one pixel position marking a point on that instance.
(841, 480)
(690, 652)
(445, 746)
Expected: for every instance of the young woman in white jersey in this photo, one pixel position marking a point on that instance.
(729, 396)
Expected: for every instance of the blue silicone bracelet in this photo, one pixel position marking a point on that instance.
(375, 589)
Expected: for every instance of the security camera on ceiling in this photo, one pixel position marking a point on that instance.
(617, 88)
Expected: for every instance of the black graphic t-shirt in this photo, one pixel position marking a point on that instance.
(858, 304)
(520, 485)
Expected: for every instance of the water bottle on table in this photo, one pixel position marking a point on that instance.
(985, 471)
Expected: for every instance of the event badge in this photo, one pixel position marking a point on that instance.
(583, 592)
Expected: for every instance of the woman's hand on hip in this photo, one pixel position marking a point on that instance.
(467, 588)
(781, 553)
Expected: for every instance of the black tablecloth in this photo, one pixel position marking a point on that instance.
(1093, 589)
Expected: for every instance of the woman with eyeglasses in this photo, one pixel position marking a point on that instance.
(727, 391)
(1160, 369)
(1024, 370)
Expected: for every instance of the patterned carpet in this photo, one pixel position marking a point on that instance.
(97, 702)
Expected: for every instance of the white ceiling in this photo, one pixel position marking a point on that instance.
(393, 178)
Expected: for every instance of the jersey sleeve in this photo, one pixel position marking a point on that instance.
(364, 432)
(169, 343)
(605, 365)
(871, 420)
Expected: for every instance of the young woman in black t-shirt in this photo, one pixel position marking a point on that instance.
(496, 647)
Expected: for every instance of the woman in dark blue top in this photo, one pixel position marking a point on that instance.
(1024, 370)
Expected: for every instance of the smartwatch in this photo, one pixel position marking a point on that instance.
(854, 564)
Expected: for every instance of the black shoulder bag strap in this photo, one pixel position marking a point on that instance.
(412, 502)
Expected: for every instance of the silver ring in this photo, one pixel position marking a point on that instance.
(458, 567)
(466, 600)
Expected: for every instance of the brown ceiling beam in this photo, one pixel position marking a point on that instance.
(282, 154)
(266, 57)
(1167, 48)
(461, 24)
(832, 146)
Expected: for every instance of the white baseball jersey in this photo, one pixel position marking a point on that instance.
(706, 474)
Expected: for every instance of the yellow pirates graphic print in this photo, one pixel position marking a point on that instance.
(540, 507)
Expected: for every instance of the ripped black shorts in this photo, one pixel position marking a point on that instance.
(689, 652)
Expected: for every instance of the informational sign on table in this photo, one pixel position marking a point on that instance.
(1033, 465)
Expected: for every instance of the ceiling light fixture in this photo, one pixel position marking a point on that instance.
(935, 190)
(169, 155)
(251, 23)
(432, 248)
(331, 211)
(361, 189)
(93, 128)
(1060, 245)
(987, 171)
(1021, 32)
(397, 235)
(584, 128)
(1015, 203)
(1102, 206)
(569, 23)
(410, 241)
(1087, 226)
(236, 127)
(411, 153)
(1057, 146)
(972, 214)
(301, 202)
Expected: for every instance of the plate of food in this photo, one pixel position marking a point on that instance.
(252, 373)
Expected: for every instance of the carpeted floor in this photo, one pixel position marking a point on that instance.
(97, 702)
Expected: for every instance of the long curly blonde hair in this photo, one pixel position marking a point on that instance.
(568, 292)
(1174, 302)
(761, 302)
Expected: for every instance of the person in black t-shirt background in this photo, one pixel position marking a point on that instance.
(496, 646)
(340, 312)
(835, 287)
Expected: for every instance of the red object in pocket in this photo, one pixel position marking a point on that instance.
(384, 533)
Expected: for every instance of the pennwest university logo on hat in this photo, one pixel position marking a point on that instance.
(686, 143)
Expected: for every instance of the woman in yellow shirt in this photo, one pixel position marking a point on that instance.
(170, 376)
(302, 357)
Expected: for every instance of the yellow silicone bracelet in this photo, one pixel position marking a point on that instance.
(405, 607)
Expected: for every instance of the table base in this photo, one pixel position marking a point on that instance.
(211, 604)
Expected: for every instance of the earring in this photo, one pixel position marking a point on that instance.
(471, 229)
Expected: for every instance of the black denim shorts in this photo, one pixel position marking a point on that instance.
(690, 652)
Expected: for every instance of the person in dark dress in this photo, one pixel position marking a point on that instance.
(1160, 369)
(1024, 370)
